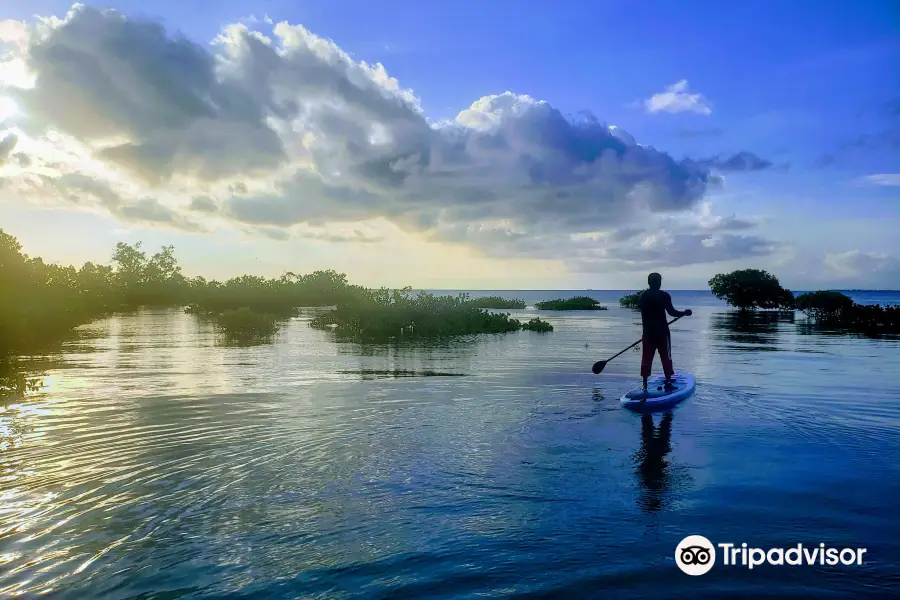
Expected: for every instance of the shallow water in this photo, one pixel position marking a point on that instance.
(158, 463)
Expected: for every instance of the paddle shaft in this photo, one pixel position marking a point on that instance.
(633, 345)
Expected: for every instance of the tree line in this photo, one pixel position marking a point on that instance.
(41, 302)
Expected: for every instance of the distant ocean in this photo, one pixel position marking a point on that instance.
(688, 298)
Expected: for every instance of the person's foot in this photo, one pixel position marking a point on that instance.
(669, 385)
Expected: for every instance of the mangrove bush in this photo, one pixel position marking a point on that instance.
(536, 324)
(750, 289)
(383, 314)
(497, 302)
(838, 311)
(630, 300)
(825, 306)
(576, 303)
(246, 324)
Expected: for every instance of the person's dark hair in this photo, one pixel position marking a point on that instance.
(654, 280)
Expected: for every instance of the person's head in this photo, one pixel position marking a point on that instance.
(654, 280)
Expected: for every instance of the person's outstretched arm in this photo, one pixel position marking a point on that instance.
(671, 309)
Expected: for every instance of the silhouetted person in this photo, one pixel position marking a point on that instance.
(654, 304)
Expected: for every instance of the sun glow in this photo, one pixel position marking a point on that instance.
(8, 109)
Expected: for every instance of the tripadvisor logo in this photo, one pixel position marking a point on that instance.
(696, 555)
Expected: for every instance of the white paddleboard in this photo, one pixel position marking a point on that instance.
(656, 394)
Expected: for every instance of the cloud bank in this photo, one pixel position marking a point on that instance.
(283, 134)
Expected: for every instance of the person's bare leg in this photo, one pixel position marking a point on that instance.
(665, 355)
(648, 351)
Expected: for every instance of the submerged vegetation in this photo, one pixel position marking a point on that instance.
(630, 300)
(750, 289)
(497, 302)
(576, 303)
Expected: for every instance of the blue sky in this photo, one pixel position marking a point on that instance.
(807, 93)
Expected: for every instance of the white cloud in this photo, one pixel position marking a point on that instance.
(884, 179)
(710, 222)
(873, 266)
(288, 136)
(676, 98)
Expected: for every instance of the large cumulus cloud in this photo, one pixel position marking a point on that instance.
(271, 130)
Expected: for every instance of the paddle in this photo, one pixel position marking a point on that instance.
(601, 364)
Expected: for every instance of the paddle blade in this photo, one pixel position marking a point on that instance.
(599, 366)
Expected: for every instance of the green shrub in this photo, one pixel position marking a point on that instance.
(497, 302)
(630, 300)
(576, 303)
(825, 306)
(536, 324)
(244, 323)
(390, 314)
(749, 289)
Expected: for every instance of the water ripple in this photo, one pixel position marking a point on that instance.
(157, 463)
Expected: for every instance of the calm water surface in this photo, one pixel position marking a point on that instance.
(158, 463)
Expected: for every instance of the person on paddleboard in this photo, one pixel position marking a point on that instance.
(654, 304)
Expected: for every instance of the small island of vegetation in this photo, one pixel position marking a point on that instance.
(381, 315)
(537, 325)
(576, 303)
(497, 302)
(244, 325)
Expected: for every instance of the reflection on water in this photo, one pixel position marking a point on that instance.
(652, 468)
(155, 462)
(657, 477)
(757, 331)
(397, 373)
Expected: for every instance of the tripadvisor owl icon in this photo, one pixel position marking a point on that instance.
(695, 555)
